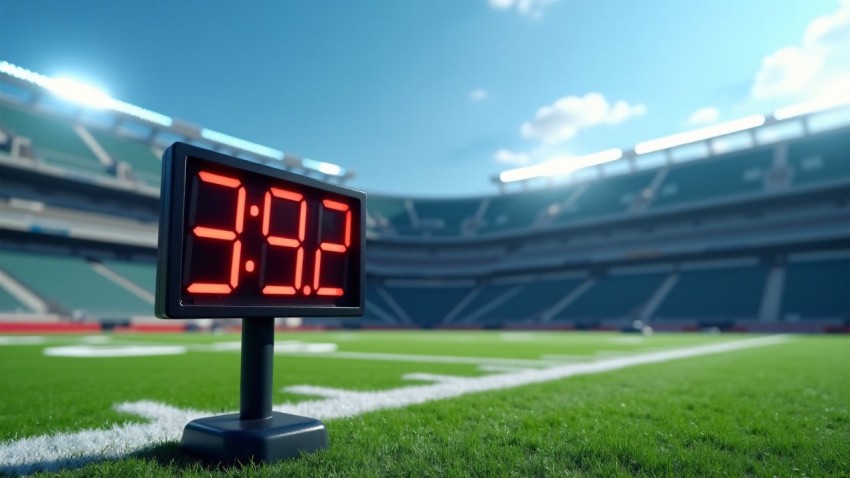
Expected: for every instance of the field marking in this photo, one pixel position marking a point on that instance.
(21, 340)
(391, 357)
(91, 351)
(67, 450)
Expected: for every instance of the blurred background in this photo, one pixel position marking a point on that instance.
(534, 164)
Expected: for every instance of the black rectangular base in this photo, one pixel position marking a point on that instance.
(227, 439)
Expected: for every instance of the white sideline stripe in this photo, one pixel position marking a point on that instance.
(89, 351)
(21, 340)
(64, 450)
(388, 357)
(432, 377)
(501, 368)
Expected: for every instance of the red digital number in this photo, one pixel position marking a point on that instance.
(223, 235)
(290, 242)
(330, 247)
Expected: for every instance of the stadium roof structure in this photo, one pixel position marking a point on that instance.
(158, 128)
(705, 142)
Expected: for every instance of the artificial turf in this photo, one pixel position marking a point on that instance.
(780, 410)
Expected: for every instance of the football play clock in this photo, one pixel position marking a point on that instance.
(239, 239)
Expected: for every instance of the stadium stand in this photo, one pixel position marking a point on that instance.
(817, 289)
(427, 305)
(631, 290)
(71, 286)
(54, 141)
(758, 235)
(715, 291)
(143, 163)
(10, 304)
(726, 176)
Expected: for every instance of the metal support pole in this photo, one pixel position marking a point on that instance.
(255, 399)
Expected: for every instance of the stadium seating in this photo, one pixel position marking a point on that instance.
(486, 295)
(141, 274)
(10, 304)
(724, 176)
(614, 297)
(426, 305)
(144, 163)
(70, 285)
(518, 211)
(445, 216)
(390, 213)
(534, 299)
(820, 158)
(817, 289)
(724, 293)
(608, 196)
(53, 140)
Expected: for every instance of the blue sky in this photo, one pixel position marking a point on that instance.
(431, 98)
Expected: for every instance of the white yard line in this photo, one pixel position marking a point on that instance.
(65, 450)
(389, 357)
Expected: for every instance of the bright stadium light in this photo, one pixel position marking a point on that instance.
(78, 92)
(323, 167)
(808, 107)
(81, 93)
(560, 166)
(241, 144)
(701, 134)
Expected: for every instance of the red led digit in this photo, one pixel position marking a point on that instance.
(223, 235)
(332, 247)
(287, 242)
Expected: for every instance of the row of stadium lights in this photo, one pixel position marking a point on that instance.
(90, 97)
(564, 166)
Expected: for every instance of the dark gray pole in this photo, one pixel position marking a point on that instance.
(255, 400)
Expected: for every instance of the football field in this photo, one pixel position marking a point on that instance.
(440, 403)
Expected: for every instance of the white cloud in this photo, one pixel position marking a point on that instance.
(704, 115)
(478, 94)
(525, 7)
(564, 118)
(505, 156)
(802, 70)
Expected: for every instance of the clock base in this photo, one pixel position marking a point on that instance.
(226, 439)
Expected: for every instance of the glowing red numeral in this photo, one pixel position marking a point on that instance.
(223, 235)
(286, 241)
(332, 247)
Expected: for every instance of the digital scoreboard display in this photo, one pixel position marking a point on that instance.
(240, 239)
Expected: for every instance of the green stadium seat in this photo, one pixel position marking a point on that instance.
(608, 196)
(144, 163)
(70, 284)
(10, 304)
(723, 176)
(534, 299)
(143, 275)
(521, 210)
(390, 212)
(824, 157)
(632, 291)
(817, 290)
(451, 213)
(427, 306)
(733, 292)
(53, 140)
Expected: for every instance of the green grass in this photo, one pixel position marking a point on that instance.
(779, 410)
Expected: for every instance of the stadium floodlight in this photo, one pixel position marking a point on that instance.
(78, 92)
(808, 107)
(82, 94)
(327, 168)
(242, 144)
(700, 134)
(560, 166)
